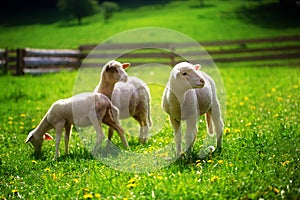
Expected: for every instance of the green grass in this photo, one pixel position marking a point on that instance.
(217, 20)
(259, 159)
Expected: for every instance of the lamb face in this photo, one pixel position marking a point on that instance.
(186, 76)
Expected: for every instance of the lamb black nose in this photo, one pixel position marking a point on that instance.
(202, 81)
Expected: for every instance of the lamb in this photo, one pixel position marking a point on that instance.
(132, 98)
(189, 94)
(81, 110)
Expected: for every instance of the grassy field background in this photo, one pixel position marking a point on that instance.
(217, 20)
(260, 156)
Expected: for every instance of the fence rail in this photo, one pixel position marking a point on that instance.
(29, 60)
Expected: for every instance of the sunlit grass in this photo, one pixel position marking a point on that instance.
(259, 159)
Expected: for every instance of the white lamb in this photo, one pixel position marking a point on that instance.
(131, 97)
(189, 94)
(81, 110)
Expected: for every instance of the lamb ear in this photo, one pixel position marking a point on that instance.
(47, 136)
(197, 66)
(125, 65)
(175, 73)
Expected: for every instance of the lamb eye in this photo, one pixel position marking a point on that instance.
(184, 73)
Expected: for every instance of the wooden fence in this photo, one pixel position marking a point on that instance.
(30, 60)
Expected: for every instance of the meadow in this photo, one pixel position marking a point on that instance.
(216, 20)
(259, 159)
(260, 156)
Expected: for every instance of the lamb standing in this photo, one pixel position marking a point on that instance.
(132, 98)
(82, 110)
(188, 95)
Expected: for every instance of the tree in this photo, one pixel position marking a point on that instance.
(108, 8)
(78, 8)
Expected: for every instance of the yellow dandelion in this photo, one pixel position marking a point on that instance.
(15, 191)
(131, 185)
(242, 103)
(33, 126)
(220, 161)
(268, 94)
(10, 118)
(246, 98)
(210, 161)
(33, 120)
(54, 177)
(285, 163)
(97, 195)
(21, 127)
(276, 190)
(75, 180)
(214, 178)
(23, 115)
(125, 198)
(273, 89)
(279, 98)
(237, 130)
(252, 107)
(132, 180)
(248, 124)
(34, 161)
(295, 86)
(47, 169)
(88, 196)
(10, 122)
(231, 165)
(159, 177)
(226, 130)
(276, 115)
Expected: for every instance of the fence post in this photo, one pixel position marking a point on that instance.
(20, 62)
(5, 69)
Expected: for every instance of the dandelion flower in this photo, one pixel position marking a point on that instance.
(210, 161)
(279, 98)
(47, 169)
(88, 196)
(226, 130)
(220, 161)
(231, 165)
(21, 127)
(252, 107)
(10, 122)
(273, 89)
(214, 178)
(23, 115)
(131, 185)
(276, 190)
(248, 124)
(98, 196)
(246, 98)
(75, 180)
(242, 103)
(15, 191)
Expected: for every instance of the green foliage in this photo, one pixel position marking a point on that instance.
(78, 8)
(108, 8)
(216, 20)
(259, 159)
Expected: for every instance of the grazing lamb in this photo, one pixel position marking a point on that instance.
(189, 94)
(81, 110)
(131, 97)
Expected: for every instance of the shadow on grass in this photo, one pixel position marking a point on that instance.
(272, 16)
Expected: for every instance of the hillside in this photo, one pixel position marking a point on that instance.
(216, 20)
